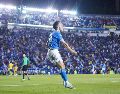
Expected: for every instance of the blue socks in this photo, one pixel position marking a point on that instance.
(63, 75)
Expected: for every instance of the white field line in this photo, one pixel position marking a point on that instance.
(12, 85)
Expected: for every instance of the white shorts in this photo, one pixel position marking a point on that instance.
(54, 56)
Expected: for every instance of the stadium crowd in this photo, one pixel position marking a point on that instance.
(42, 18)
(94, 52)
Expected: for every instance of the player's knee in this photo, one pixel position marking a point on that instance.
(61, 65)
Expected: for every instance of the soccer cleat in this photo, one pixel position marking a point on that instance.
(68, 85)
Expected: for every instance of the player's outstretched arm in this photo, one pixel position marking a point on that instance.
(68, 47)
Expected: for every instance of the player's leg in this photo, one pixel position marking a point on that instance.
(15, 72)
(55, 57)
(23, 73)
(27, 75)
(7, 72)
(11, 72)
(64, 75)
(26, 72)
(62, 70)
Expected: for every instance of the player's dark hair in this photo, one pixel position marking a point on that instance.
(55, 25)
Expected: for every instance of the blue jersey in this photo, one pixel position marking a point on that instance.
(54, 40)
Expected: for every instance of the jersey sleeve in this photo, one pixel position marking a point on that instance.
(59, 36)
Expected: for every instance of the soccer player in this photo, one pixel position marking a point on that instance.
(53, 54)
(10, 68)
(103, 68)
(25, 66)
(93, 69)
(15, 68)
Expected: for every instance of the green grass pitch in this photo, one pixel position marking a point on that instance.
(46, 84)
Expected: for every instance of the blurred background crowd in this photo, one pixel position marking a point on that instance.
(42, 18)
(96, 54)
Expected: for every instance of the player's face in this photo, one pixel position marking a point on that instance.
(61, 27)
